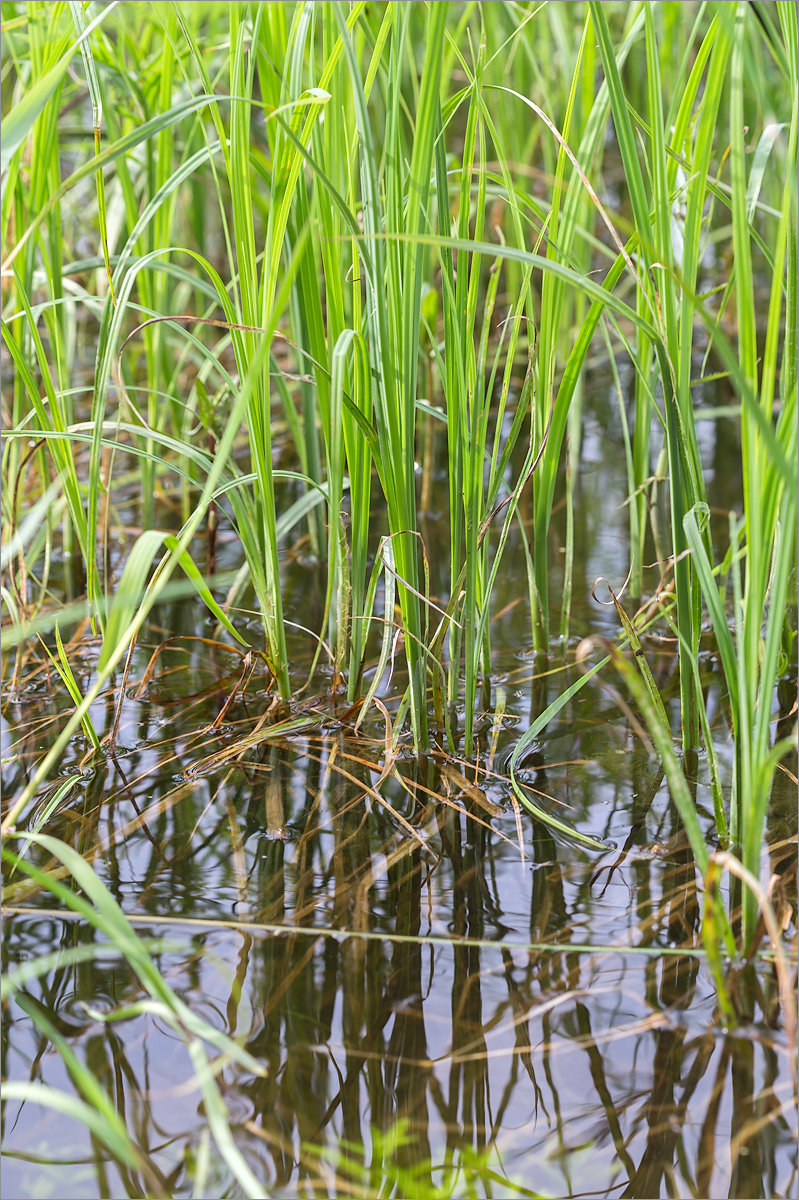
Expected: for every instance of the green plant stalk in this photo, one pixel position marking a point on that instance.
(416, 218)
(656, 256)
(573, 200)
(257, 299)
(770, 503)
(459, 380)
(397, 341)
(552, 299)
(682, 466)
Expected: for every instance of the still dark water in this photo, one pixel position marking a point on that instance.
(456, 1010)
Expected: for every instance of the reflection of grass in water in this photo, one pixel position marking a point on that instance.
(554, 1023)
(341, 1170)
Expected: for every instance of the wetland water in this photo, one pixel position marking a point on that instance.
(431, 983)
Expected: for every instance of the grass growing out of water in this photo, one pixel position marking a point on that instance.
(376, 226)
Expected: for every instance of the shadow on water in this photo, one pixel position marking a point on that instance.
(446, 1000)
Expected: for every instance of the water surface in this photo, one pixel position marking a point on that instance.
(442, 994)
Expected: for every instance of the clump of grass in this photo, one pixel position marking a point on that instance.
(762, 544)
(272, 195)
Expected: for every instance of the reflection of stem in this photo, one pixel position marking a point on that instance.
(546, 1030)
(707, 1138)
(521, 1022)
(275, 810)
(408, 1041)
(663, 1117)
(238, 860)
(597, 1068)
(640, 812)
(747, 1169)
(237, 986)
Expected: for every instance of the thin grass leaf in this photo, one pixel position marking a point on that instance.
(18, 123)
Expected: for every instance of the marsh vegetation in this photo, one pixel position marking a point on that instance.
(399, 590)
